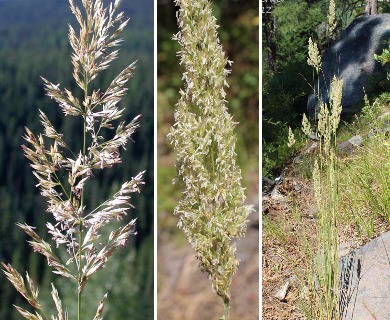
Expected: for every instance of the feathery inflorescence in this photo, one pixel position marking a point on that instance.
(75, 227)
(211, 209)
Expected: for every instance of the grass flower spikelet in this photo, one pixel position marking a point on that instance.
(336, 89)
(332, 17)
(291, 138)
(306, 127)
(314, 58)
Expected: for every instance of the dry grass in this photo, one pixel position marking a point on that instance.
(283, 255)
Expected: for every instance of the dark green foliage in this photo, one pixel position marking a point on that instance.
(238, 33)
(384, 58)
(285, 92)
(284, 102)
(275, 151)
(34, 43)
(296, 22)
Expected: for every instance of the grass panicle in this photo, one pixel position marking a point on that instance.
(211, 211)
(77, 228)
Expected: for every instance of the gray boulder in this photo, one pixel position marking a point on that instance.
(348, 146)
(365, 281)
(351, 58)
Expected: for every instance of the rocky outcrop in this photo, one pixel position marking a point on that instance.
(365, 281)
(351, 58)
(381, 126)
(348, 146)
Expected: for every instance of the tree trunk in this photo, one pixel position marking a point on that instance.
(371, 7)
(374, 6)
(269, 35)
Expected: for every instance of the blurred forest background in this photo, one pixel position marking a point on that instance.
(34, 43)
(183, 291)
(286, 76)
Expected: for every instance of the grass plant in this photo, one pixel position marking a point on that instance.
(324, 288)
(211, 211)
(347, 188)
(323, 275)
(63, 173)
(359, 197)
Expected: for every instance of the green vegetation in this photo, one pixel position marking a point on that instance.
(384, 58)
(287, 79)
(34, 43)
(351, 190)
(366, 180)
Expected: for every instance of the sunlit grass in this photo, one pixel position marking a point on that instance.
(365, 184)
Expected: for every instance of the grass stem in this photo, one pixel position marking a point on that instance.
(226, 308)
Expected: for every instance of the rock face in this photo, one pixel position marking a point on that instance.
(365, 281)
(351, 58)
(348, 146)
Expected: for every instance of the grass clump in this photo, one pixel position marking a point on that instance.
(365, 195)
(323, 276)
(348, 190)
(322, 279)
(63, 173)
(211, 209)
(361, 192)
(273, 230)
